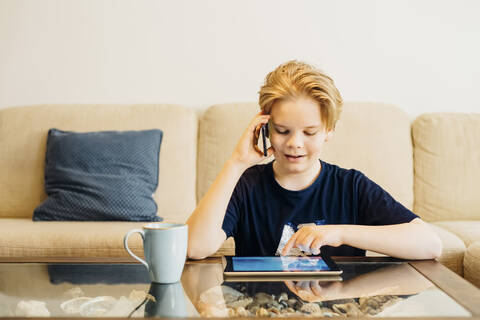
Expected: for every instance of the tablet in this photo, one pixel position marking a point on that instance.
(279, 266)
(282, 278)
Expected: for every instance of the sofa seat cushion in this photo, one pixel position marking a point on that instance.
(468, 231)
(472, 264)
(23, 237)
(227, 248)
(453, 250)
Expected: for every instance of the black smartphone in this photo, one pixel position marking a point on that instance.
(264, 130)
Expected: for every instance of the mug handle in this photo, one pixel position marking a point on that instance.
(125, 244)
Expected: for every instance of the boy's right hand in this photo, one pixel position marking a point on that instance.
(316, 290)
(247, 153)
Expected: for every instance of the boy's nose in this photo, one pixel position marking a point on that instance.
(295, 141)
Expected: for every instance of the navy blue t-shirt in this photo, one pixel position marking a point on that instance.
(260, 208)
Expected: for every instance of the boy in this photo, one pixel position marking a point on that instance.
(330, 209)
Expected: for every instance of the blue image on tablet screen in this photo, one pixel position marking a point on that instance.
(279, 264)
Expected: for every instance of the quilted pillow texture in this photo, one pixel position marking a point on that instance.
(101, 176)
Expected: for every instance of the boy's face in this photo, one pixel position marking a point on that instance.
(297, 134)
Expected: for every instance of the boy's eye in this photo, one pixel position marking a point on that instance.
(281, 131)
(310, 133)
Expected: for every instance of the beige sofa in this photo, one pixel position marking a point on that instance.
(430, 164)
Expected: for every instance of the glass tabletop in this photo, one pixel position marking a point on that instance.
(124, 290)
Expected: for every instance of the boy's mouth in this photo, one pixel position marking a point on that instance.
(294, 158)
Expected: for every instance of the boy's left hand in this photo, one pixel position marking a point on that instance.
(311, 238)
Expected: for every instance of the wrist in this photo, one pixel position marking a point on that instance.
(236, 165)
(343, 231)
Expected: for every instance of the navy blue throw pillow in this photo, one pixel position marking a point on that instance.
(101, 176)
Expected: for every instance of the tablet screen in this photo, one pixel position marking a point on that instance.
(279, 264)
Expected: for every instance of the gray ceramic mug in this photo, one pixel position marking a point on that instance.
(165, 249)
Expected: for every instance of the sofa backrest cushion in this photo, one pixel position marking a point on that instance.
(101, 176)
(371, 137)
(447, 166)
(23, 137)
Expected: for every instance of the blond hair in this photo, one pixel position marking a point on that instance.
(295, 79)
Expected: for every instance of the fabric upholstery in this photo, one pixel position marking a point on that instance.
(374, 138)
(447, 170)
(356, 144)
(453, 250)
(468, 231)
(472, 264)
(23, 237)
(22, 176)
(227, 248)
(220, 127)
(101, 175)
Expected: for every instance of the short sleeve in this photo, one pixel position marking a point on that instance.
(232, 214)
(377, 207)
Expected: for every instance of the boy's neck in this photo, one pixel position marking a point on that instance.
(296, 181)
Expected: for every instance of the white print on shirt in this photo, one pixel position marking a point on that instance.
(288, 232)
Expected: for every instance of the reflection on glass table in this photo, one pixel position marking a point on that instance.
(386, 290)
(124, 290)
(87, 290)
(166, 300)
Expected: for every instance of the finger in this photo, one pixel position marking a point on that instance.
(316, 245)
(305, 295)
(316, 288)
(304, 232)
(303, 285)
(270, 151)
(289, 244)
(251, 130)
(255, 138)
(308, 242)
(259, 120)
(258, 149)
(303, 241)
(256, 126)
(290, 285)
(293, 288)
(257, 131)
(302, 236)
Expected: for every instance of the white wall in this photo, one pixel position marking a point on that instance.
(423, 56)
